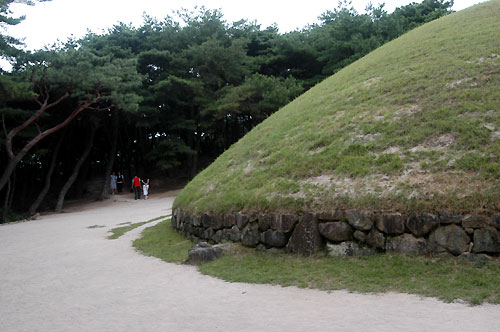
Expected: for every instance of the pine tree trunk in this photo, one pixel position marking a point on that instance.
(13, 188)
(81, 181)
(5, 210)
(115, 123)
(76, 169)
(48, 178)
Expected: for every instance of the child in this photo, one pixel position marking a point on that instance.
(145, 188)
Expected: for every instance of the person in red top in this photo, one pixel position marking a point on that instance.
(136, 184)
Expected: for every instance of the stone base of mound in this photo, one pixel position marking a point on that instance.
(349, 232)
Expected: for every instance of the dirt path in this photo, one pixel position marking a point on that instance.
(58, 275)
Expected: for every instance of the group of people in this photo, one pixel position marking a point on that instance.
(116, 184)
(136, 187)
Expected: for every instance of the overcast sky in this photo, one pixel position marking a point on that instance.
(59, 19)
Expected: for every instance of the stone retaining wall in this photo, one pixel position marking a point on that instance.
(352, 232)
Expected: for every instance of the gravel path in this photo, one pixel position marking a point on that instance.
(56, 274)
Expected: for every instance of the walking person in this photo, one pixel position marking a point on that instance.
(112, 183)
(119, 182)
(136, 185)
(145, 188)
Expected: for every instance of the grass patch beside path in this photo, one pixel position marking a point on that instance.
(447, 279)
(119, 231)
(164, 242)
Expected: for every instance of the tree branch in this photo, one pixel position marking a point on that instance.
(100, 108)
(14, 160)
(38, 127)
(10, 136)
(65, 122)
(3, 125)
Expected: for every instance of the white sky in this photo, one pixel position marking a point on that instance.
(59, 19)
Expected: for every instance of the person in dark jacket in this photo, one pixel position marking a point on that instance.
(119, 182)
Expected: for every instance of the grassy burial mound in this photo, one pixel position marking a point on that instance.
(413, 126)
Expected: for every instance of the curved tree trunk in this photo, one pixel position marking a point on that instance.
(5, 210)
(15, 159)
(9, 197)
(13, 186)
(76, 169)
(48, 178)
(81, 181)
(115, 123)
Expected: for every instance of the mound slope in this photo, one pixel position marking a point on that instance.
(413, 126)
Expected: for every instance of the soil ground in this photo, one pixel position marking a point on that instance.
(56, 274)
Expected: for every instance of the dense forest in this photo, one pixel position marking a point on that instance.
(165, 98)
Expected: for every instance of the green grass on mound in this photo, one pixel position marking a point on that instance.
(414, 125)
(446, 279)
